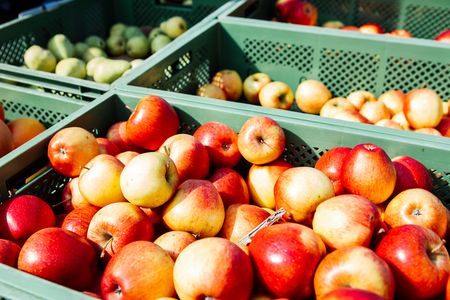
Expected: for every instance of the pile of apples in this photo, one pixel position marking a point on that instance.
(151, 213)
(15, 133)
(103, 60)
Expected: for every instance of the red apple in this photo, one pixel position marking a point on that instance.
(71, 196)
(444, 36)
(261, 140)
(423, 108)
(117, 134)
(444, 126)
(140, 270)
(331, 163)
(173, 242)
(77, 221)
(210, 90)
(9, 253)
(371, 28)
(368, 171)
(116, 225)
(311, 95)
(2, 112)
(346, 293)
(213, 268)
(189, 156)
(60, 256)
(6, 142)
(300, 190)
(350, 28)
(231, 186)
(358, 98)
(393, 100)
(126, 156)
(285, 257)
(401, 33)
(230, 82)
(107, 146)
(334, 106)
(276, 94)
(24, 129)
(253, 84)
(296, 12)
(70, 149)
(374, 111)
(418, 259)
(354, 267)
(411, 174)
(152, 122)
(22, 216)
(221, 142)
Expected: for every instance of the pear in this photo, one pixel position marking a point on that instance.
(38, 58)
(108, 70)
(93, 52)
(95, 41)
(72, 67)
(136, 62)
(155, 32)
(61, 47)
(138, 47)
(117, 29)
(92, 64)
(116, 45)
(132, 31)
(80, 48)
(174, 26)
(159, 42)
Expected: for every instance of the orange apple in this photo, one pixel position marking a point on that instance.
(374, 111)
(173, 242)
(253, 84)
(276, 94)
(351, 116)
(24, 129)
(371, 28)
(230, 82)
(210, 90)
(6, 140)
(311, 95)
(358, 98)
(432, 131)
(401, 33)
(388, 123)
(393, 100)
(401, 119)
(126, 156)
(335, 106)
(423, 108)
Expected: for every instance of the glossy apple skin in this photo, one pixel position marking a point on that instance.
(351, 294)
(444, 36)
(230, 82)
(285, 257)
(359, 98)
(71, 197)
(393, 100)
(276, 94)
(296, 12)
(60, 256)
(173, 242)
(374, 111)
(418, 259)
(77, 221)
(213, 267)
(9, 253)
(220, 141)
(140, 270)
(152, 122)
(107, 146)
(330, 163)
(423, 108)
(253, 85)
(355, 267)
(311, 96)
(117, 134)
(411, 173)
(371, 28)
(231, 186)
(22, 216)
(444, 126)
(368, 171)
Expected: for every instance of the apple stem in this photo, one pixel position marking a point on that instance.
(273, 218)
(61, 202)
(86, 168)
(129, 108)
(102, 254)
(439, 246)
(209, 298)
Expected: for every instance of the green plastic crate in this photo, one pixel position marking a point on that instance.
(49, 109)
(78, 19)
(424, 19)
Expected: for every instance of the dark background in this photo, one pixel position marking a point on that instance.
(9, 9)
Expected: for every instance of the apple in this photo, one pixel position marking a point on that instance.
(196, 208)
(346, 220)
(6, 140)
(444, 126)
(444, 36)
(261, 181)
(149, 179)
(107, 146)
(99, 181)
(231, 186)
(374, 111)
(393, 100)
(117, 134)
(210, 90)
(368, 171)
(230, 82)
(152, 122)
(300, 190)
(371, 28)
(140, 270)
(70, 149)
(351, 116)
(347, 293)
(350, 28)
(60, 256)
(2, 112)
(358, 98)
(411, 174)
(24, 129)
(22, 216)
(220, 141)
(335, 106)
(173, 242)
(253, 84)
(77, 221)
(354, 267)
(126, 156)
(446, 108)
(285, 257)
(389, 124)
(9, 253)
(335, 24)
(189, 156)
(213, 268)
(116, 225)
(276, 94)
(428, 130)
(311, 95)
(423, 108)
(296, 12)
(401, 119)
(418, 259)
(71, 197)
(401, 33)
(261, 140)
(417, 206)
(330, 163)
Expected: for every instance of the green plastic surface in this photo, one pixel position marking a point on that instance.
(424, 19)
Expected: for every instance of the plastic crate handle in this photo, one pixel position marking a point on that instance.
(47, 6)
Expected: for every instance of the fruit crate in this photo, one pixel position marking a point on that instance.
(77, 19)
(307, 139)
(424, 19)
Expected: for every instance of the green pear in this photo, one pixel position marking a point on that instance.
(116, 45)
(95, 41)
(136, 62)
(93, 52)
(117, 29)
(132, 31)
(92, 64)
(160, 41)
(155, 32)
(138, 47)
(108, 70)
(80, 49)
(38, 58)
(61, 47)
(72, 67)
(174, 26)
